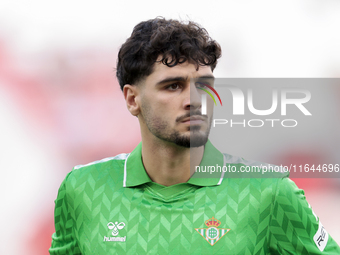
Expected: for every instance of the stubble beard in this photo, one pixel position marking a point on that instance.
(160, 128)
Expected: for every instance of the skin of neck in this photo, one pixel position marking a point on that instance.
(167, 163)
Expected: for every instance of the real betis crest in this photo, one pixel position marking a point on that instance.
(212, 233)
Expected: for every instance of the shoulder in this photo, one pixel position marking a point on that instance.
(244, 168)
(253, 179)
(103, 163)
(104, 170)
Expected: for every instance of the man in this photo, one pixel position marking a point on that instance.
(152, 201)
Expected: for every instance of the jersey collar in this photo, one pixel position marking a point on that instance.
(134, 171)
(211, 157)
(135, 174)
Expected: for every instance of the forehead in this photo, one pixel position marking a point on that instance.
(185, 70)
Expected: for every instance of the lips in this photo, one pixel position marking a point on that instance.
(194, 118)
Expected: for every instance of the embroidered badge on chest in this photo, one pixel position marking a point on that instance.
(212, 233)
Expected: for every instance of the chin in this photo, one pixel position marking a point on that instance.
(198, 139)
(191, 140)
(194, 143)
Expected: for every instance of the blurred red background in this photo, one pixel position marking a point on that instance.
(61, 105)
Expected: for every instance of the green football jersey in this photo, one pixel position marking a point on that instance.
(112, 207)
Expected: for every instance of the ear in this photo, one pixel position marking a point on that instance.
(131, 95)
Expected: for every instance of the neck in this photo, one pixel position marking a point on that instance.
(169, 164)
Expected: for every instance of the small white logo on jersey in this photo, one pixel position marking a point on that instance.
(115, 227)
(321, 237)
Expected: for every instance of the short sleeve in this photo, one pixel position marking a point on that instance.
(63, 240)
(294, 227)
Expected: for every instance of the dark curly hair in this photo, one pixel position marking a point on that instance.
(174, 41)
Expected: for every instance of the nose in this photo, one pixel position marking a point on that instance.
(193, 98)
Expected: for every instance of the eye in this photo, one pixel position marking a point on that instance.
(201, 85)
(173, 86)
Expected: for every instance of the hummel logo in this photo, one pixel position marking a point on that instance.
(115, 227)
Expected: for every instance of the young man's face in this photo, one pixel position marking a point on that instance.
(170, 104)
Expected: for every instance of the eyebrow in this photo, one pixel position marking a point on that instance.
(182, 79)
(205, 77)
(171, 79)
